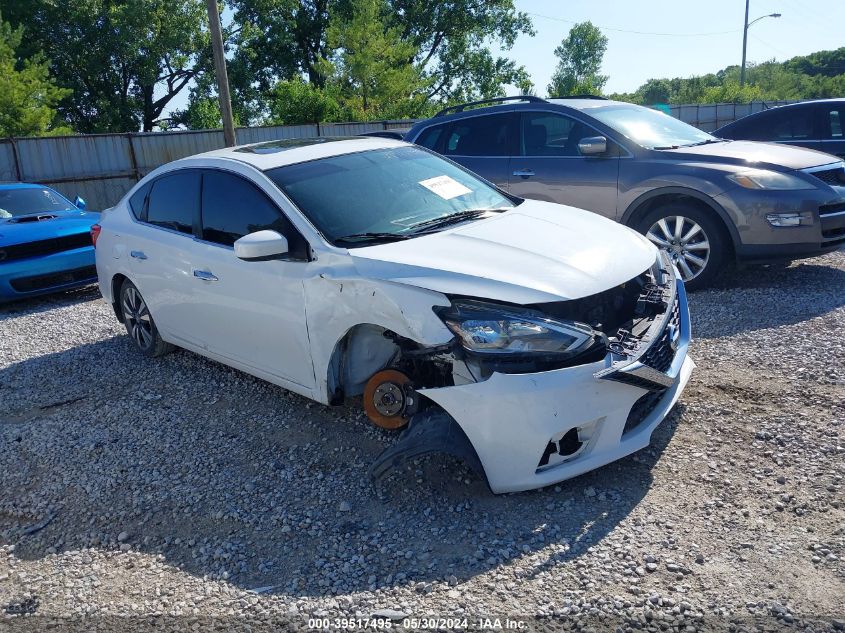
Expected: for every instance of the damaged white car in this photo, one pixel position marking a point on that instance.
(533, 340)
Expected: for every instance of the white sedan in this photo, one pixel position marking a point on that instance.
(533, 340)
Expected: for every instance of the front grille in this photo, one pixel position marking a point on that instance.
(835, 176)
(835, 207)
(52, 280)
(45, 247)
(832, 234)
(660, 354)
(642, 409)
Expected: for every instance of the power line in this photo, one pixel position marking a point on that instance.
(608, 28)
(767, 45)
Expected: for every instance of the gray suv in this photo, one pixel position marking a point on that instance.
(706, 200)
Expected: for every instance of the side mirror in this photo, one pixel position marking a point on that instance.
(592, 145)
(79, 203)
(261, 245)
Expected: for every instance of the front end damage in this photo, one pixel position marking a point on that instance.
(525, 421)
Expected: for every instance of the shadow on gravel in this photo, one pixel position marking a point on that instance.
(230, 477)
(761, 297)
(45, 303)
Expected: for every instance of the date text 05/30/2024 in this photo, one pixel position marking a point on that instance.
(421, 623)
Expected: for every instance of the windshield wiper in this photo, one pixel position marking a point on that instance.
(373, 237)
(705, 142)
(454, 218)
(666, 147)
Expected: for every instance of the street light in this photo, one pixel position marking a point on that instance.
(745, 38)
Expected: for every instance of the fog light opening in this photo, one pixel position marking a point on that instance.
(784, 219)
(567, 446)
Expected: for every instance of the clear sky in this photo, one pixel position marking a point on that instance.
(805, 26)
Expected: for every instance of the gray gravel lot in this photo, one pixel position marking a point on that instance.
(179, 487)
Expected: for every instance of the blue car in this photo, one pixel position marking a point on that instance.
(45, 242)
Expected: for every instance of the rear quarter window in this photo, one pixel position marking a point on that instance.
(138, 202)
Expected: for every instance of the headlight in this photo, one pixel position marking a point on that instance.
(493, 329)
(765, 179)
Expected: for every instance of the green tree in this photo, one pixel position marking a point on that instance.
(816, 76)
(654, 91)
(451, 38)
(449, 41)
(28, 95)
(124, 60)
(580, 56)
(296, 102)
(372, 66)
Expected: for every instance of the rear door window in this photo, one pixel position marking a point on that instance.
(788, 124)
(486, 135)
(174, 201)
(430, 137)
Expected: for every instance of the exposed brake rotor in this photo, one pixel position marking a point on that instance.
(389, 399)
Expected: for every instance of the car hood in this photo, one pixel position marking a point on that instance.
(65, 223)
(535, 253)
(754, 154)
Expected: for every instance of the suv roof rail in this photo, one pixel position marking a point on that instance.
(581, 97)
(460, 108)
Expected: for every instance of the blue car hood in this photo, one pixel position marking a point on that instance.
(65, 223)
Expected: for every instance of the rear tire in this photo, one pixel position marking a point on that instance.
(139, 322)
(697, 243)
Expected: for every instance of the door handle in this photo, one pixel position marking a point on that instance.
(137, 254)
(525, 173)
(205, 275)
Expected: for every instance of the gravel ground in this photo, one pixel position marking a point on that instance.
(182, 489)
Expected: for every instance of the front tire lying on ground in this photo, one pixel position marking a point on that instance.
(696, 242)
(139, 322)
(429, 431)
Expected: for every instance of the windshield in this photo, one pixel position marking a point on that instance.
(650, 128)
(389, 192)
(17, 202)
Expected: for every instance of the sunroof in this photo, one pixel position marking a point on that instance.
(282, 144)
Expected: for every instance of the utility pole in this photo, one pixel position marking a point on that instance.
(745, 38)
(744, 45)
(220, 70)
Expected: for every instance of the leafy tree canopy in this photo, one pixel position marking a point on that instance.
(579, 55)
(28, 95)
(439, 47)
(123, 60)
(817, 76)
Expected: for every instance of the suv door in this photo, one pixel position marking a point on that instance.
(252, 313)
(160, 248)
(549, 165)
(482, 144)
(833, 128)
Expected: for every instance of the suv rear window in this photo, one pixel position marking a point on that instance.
(487, 135)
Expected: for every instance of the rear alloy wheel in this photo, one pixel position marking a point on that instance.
(139, 322)
(694, 241)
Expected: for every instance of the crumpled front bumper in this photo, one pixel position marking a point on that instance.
(511, 419)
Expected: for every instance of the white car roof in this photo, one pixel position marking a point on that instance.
(290, 151)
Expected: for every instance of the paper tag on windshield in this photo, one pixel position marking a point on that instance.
(445, 187)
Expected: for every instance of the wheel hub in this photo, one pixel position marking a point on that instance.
(388, 398)
(685, 241)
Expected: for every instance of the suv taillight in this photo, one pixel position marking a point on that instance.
(95, 233)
